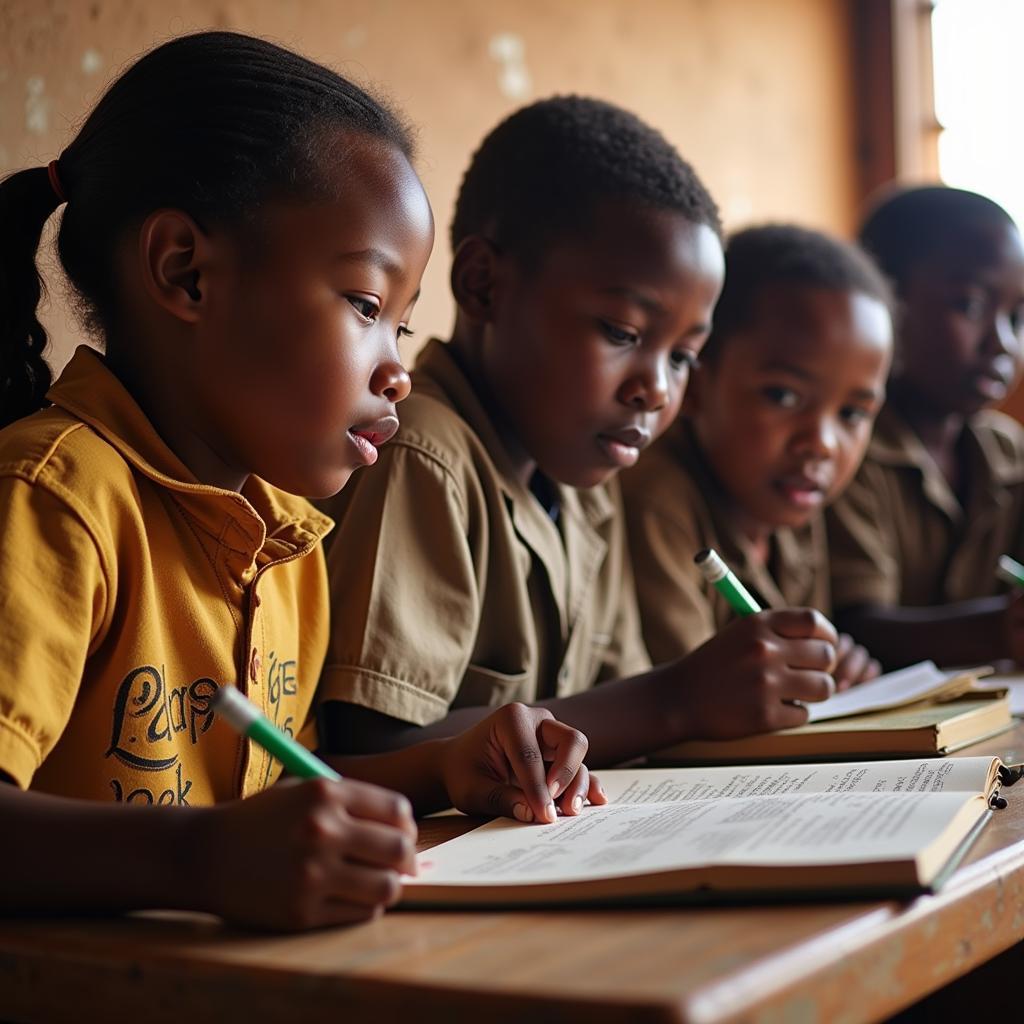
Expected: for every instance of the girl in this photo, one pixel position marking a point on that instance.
(244, 229)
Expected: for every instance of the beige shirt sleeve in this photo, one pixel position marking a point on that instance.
(675, 612)
(863, 547)
(404, 591)
(53, 606)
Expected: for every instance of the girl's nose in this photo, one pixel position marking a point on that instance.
(391, 381)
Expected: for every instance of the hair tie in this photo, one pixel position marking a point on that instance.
(51, 171)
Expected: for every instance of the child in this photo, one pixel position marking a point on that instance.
(245, 230)
(940, 496)
(776, 421)
(485, 560)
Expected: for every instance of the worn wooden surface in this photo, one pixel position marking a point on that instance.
(839, 963)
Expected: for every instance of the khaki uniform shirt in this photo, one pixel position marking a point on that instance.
(129, 593)
(900, 536)
(451, 585)
(674, 508)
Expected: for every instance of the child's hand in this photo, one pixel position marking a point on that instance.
(853, 663)
(746, 679)
(308, 854)
(498, 767)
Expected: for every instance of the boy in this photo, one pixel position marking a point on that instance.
(940, 497)
(777, 419)
(484, 559)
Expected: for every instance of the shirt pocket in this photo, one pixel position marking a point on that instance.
(485, 687)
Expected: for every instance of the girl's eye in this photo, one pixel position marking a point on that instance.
(1017, 319)
(366, 308)
(619, 335)
(685, 358)
(405, 332)
(785, 398)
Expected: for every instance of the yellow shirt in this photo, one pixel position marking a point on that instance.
(129, 592)
(900, 536)
(674, 508)
(453, 587)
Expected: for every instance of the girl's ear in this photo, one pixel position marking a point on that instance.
(475, 278)
(174, 254)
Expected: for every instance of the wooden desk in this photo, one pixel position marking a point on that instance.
(843, 963)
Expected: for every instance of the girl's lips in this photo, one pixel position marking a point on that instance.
(367, 439)
(377, 433)
(366, 449)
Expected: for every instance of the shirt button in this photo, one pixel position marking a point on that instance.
(563, 674)
(254, 666)
(256, 600)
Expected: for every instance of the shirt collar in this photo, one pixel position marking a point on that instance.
(90, 391)
(571, 556)
(895, 443)
(438, 369)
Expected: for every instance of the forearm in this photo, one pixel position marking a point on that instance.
(627, 718)
(414, 770)
(951, 634)
(621, 719)
(74, 855)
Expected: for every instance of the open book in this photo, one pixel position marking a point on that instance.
(831, 829)
(920, 682)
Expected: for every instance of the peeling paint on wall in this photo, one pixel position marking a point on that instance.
(37, 106)
(91, 62)
(509, 50)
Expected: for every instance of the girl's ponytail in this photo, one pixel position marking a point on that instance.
(213, 124)
(27, 200)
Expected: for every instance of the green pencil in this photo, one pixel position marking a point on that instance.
(717, 573)
(240, 712)
(1010, 571)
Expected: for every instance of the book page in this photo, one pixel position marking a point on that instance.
(918, 682)
(1014, 683)
(625, 839)
(670, 785)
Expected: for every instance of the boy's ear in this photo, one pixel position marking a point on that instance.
(476, 275)
(174, 253)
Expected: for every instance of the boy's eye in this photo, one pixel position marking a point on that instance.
(785, 398)
(368, 309)
(685, 358)
(619, 335)
(973, 307)
(855, 414)
(1017, 319)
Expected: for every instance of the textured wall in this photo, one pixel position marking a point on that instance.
(756, 93)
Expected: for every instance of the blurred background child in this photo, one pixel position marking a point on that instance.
(940, 497)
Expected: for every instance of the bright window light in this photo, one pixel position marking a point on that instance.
(977, 49)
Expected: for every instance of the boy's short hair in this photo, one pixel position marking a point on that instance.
(540, 173)
(905, 227)
(784, 254)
